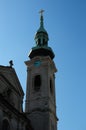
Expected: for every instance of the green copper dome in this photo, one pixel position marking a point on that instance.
(41, 39)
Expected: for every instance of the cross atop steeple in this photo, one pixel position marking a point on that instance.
(41, 12)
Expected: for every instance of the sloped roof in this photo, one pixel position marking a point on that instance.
(9, 75)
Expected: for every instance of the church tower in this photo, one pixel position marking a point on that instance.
(40, 104)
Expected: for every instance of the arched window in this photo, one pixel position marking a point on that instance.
(5, 125)
(51, 86)
(37, 82)
(43, 41)
(39, 42)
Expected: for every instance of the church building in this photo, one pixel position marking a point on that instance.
(40, 102)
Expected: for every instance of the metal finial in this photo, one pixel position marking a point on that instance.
(11, 63)
(41, 18)
(41, 12)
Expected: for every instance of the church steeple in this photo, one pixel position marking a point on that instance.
(41, 39)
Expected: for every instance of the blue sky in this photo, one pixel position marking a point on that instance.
(65, 22)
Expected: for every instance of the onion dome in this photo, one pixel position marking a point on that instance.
(41, 36)
(41, 40)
